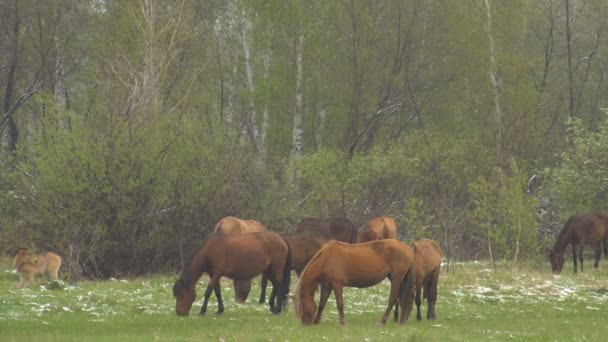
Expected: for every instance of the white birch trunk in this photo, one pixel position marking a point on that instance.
(496, 82)
(61, 91)
(149, 81)
(320, 128)
(255, 134)
(230, 104)
(298, 130)
(265, 114)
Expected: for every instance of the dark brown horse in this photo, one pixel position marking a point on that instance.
(589, 228)
(378, 228)
(237, 256)
(303, 247)
(427, 262)
(339, 229)
(234, 225)
(360, 265)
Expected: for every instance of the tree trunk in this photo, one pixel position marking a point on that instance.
(10, 134)
(265, 113)
(252, 125)
(298, 130)
(569, 42)
(496, 82)
(61, 91)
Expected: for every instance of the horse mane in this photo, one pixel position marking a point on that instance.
(181, 283)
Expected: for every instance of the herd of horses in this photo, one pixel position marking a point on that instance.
(327, 255)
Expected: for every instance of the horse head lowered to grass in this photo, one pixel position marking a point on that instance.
(237, 256)
(589, 228)
(360, 265)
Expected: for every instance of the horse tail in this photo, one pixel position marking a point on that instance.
(407, 293)
(286, 275)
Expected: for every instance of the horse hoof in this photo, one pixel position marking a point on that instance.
(202, 313)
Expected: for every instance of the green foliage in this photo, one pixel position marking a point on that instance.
(580, 182)
(505, 214)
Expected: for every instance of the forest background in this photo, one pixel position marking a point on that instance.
(129, 128)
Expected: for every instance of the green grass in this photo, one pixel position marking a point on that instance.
(475, 303)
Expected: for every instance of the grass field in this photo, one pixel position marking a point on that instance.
(475, 303)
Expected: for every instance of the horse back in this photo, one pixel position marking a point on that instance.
(340, 229)
(365, 264)
(584, 228)
(234, 225)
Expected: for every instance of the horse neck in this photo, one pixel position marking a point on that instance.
(309, 279)
(195, 271)
(563, 239)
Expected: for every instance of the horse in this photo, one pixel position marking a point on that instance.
(339, 264)
(581, 229)
(29, 264)
(234, 225)
(378, 228)
(427, 262)
(237, 256)
(303, 247)
(339, 229)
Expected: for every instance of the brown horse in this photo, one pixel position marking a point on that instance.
(589, 228)
(29, 264)
(237, 256)
(427, 262)
(339, 229)
(303, 247)
(340, 264)
(234, 225)
(378, 228)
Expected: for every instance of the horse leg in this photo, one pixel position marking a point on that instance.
(392, 299)
(273, 299)
(574, 247)
(212, 283)
(218, 296)
(597, 247)
(580, 254)
(263, 285)
(325, 292)
(418, 302)
(22, 280)
(431, 292)
(396, 313)
(340, 302)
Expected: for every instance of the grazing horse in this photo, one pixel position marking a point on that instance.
(303, 247)
(360, 265)
(589, 228)
(237, 256)
(378, 228)
(234, 225)
(29, 264)
(339, 229)
(427, 262)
